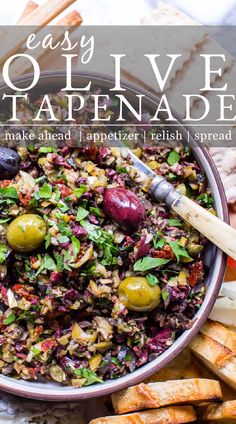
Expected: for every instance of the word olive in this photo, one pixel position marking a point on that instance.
(9, 163)
(124, 207)
(137, 295)
(26, 232)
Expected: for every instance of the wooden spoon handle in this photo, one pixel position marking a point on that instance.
(217, 231)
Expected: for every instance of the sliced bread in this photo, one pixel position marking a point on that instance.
(171, 415)
(224, 413)
(172, 392)
(218, 358)
(221, 334)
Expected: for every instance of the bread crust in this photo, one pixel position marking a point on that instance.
(171, 415)
(219, 359)
(221, 334)
(226, 410)
(172, 392)
(211, 350)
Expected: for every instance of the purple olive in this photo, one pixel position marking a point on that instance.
(9, 163)
(124, 207)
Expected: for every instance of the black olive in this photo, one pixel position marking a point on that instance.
(9, 163)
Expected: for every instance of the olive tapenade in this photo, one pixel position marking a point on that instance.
(96, 279)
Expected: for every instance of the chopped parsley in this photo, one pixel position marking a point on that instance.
(90, 376)
(179, 251)
(81, 214)
(148, 262)
(173, 158)
(152, 280)
(45, 192)
(11, 318)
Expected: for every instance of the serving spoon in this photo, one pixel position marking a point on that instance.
(215, 230)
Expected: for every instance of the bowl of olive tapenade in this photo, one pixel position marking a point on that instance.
(99, 285)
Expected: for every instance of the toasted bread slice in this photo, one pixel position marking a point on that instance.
(171, 415)
(172, 392)
(221, 334)
(218, 358)
(211, 350)
(224, 413)
(182, 366)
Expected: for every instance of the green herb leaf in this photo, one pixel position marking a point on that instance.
(64, 229)
(174, 223)
(104, 240)
(148, 262)
(11, 318)
(81, 214)
(158, 243)
(8, 193)
(78, 192)
(63, 239)
(152, 280)
(33, 203)
(3, 253)
(47, 239)
(116, 362)
(45, 192)
(205, 199)
(121, 170)
(45, 149)
(3, 220)
(31, 147)
(63, 206)
(172, 176)
(67, 258)
(173, 158)
(47, 264)
(76, 245)
(179, 251)
(96, 212)
(59, 261)
(35, 350)
(90, 376)
(164, 295)
(27, 316)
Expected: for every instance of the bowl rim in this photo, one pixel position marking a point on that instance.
(29, 389)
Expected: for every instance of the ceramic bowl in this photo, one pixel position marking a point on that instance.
(214, 259)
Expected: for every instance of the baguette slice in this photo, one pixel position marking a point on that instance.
(211, 350)
(218, 358)
(172, 415)
(172, 392)
(221, 334)
(224, 413)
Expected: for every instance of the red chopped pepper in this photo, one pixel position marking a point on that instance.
(196, 273)
(65, 191)
(166, 253)
(47, 345)
(24, 198)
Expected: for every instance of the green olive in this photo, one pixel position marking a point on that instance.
(26, 232)
(137, 294)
